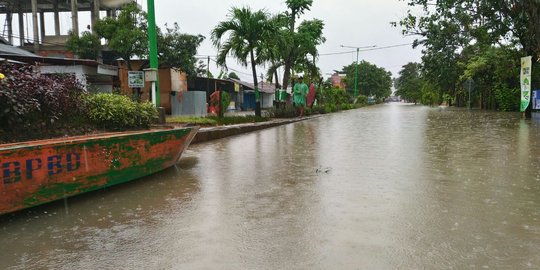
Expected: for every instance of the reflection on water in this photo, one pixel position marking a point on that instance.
(384, 187)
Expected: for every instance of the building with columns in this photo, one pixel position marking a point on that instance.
(38, 41)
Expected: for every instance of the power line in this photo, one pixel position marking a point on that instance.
(387, 47)
(336, 53)
(30, 39)
(365, 50)
(233, 69)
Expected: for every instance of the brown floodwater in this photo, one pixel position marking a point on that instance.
(390, 186)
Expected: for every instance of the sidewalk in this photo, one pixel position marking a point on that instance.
(213, 133)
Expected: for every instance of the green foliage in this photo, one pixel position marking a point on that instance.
(233, 75)
(371, 80)
(178, 50)
(200, 121)
(283, 112)
(86, 46)
(233, 120)
(30, 101)
(118, 112)
(410, 82)
(333, 96)
(361, 100)
(318, 109)
(429, 97)
(225, 100)
(246, 31)
(346, 107)
(494, 71)
(478, 40)
(214, 120)
(298, 7)
(330, 108)
(126, 34)
(508, 99)
(291, 47)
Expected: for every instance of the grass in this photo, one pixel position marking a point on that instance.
(216, 121)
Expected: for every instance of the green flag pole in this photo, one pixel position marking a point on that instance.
(152, 38)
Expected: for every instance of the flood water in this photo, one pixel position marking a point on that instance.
(391, 186)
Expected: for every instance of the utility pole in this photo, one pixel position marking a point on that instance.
(356, 69)
(208, 75)
(152, 38)
(469, 87)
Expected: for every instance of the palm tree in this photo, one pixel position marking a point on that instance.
(296, 8)
(296, 51)
(246, 31)
(274, 45)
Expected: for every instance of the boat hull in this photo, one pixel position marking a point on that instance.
(38, 172)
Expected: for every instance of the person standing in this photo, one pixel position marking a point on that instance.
(311, 95)
(300, 91)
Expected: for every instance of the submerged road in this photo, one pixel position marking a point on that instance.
(390, 186)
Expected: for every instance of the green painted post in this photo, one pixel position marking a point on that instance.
(152, 38)
(356, 74)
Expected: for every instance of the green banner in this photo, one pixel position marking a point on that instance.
(525, 80)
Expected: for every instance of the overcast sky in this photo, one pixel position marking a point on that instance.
(347, 22)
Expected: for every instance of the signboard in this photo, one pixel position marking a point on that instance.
(536, 100)
(136, 79)
(525, 80)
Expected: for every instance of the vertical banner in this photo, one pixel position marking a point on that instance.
(526, 68)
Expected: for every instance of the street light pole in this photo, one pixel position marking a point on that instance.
(356, 75)
(356, 69)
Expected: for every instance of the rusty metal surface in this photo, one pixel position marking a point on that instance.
(37, 172)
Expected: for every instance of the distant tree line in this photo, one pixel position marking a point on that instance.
(470, 48)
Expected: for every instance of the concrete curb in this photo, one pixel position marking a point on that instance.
(214, 133)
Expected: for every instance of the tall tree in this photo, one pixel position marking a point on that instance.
(127, 36)
(448, 28)
(127, 33)
(298, 48)
(86, 46)
(177, 50)
(409, 83)
(241, 36)
(372, 80)
(298, 45)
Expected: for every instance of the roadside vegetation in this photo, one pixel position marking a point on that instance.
(471, 52)
(36, 106)
(215, 120)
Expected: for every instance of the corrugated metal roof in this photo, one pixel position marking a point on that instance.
(8, 49)
(264, 87)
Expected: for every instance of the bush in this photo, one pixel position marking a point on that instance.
(36, 102)
(286, 112)
(361, 99)
(330, 108)
(225, 101)
(233, 120)
(319, 109)
(333, 96)
(118, 112)
(507, 99)
(346, 107)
